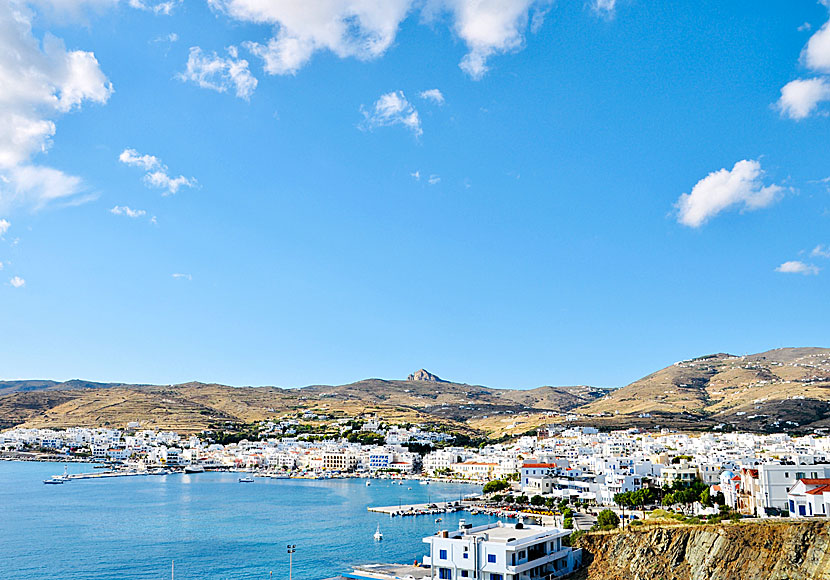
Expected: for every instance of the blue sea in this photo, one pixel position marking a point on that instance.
(214, 527)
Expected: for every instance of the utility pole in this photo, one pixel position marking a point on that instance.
(291, 549)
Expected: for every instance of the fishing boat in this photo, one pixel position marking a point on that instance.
(246, 479)
(378, 535)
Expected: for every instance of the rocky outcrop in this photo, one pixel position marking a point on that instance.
(425, 376)
(745, 551)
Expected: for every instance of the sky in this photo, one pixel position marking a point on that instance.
(511, 193)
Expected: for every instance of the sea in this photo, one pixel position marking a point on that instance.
(206, 526)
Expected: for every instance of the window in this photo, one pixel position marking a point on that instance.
(491, 558)
(444, 573)
(522, 554)
(464, 573)
(466, 555)
(495, 577)
(442, 554)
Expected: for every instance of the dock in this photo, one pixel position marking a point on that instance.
(418, 509)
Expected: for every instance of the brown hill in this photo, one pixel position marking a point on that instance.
(780, 389)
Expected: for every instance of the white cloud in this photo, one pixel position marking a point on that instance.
(797, 267)
(155, 7)
(362, 29)
(366, 29)
(127, 211)
(433, 95)
(1, 265)
(157, 174)
(161, 180)
(4, 227)
(604, 6)
(720, 190)
(416, 175)
(392, 109)
(39, 81)
(487, 27)
(179, 276)
(800, 98)
(135, 159)
(805, 27)
(816, 54)
(211, 71)
(434, 179)
(821, 251)
(17, 282)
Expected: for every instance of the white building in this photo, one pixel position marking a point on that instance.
(809, 497)
(500, 552)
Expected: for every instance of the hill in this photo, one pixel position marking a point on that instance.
(782, 389)
(192, 407)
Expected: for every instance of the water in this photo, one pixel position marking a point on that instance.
(214, 527)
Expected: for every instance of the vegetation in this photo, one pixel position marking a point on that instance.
(496, 485)
(607, 520)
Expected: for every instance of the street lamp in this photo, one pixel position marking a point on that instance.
(291, 549)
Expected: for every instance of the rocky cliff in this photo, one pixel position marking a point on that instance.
(745, 551)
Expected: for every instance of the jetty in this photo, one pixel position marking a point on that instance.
(419, 509)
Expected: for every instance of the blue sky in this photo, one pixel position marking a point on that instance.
(506, 192)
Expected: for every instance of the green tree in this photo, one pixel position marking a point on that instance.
(608, 520)
(568, 523)
(495, 486)
(537, 500)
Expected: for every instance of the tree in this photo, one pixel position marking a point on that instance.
(608, 520)
(568, 523)
(537, 500)
(496, 485)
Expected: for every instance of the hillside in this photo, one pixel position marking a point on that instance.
(779, 389)
(195, 406)
(784, 389)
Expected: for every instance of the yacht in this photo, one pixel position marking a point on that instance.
(58, 479)
(246, 479)
(378, 535)
(194, 468)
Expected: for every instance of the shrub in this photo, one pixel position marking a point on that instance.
(608, 520)
(568, 523)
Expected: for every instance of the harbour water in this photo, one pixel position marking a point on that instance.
(214, 527)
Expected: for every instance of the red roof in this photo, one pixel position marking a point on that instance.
(542, 465)
(818, 490)
(820, 481)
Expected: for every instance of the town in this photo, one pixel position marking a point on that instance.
(703, 473)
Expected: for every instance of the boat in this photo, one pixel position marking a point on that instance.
(424, 482)
(378, 535)
(437, 520)
(368, 483)
(58, 479)
(246, 479)
(194, 468)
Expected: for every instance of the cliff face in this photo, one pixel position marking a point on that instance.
(752, 551)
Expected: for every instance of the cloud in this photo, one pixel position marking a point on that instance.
(157, 174)
(816, 54)
(4, 227)
(800, 98)
(797, 267)
(487, 27)
(1, 265)
(392, 109)
(211, 71)
(135, 159)
(366, 29)
(17, 282)
(179, 276)
(821, 251)
(363, 29)
(605, 7)
(805, 27)
(127, 211)
(416, 175)
(165, 8)
(40, 80)
(434, 179)
(720, 190)
(433, 95)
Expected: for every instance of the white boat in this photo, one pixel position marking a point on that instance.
(194, 468)
(246, 479)
(378, 535)
(368, 483)
(424, 482)
(54, 480)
